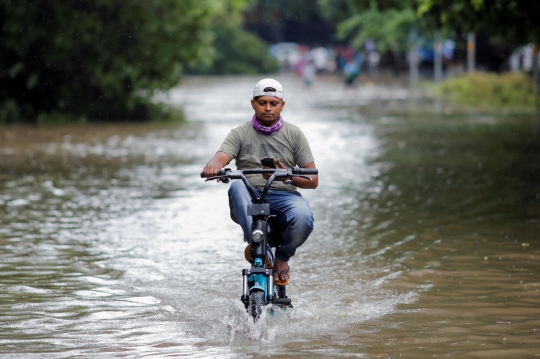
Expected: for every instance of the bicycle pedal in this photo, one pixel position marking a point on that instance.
(281, 291)
(283, 302)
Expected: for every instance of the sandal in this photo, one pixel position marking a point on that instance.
(279, 274)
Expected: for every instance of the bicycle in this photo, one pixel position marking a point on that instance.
(258, 288)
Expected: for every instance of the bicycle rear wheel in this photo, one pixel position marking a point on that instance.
(256, 303)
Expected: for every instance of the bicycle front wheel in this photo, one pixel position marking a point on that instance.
(256, 303)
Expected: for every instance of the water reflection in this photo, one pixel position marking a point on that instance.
(425, 242)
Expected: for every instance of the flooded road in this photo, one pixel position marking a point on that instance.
(426, 241)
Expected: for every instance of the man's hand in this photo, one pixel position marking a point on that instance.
(298, 181)
(211, 170)
(216, 163)
(279, 165)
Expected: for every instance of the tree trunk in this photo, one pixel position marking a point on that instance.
(437, 63)
(413, 65)
(471, 51)
(535, 70)
(536, 88)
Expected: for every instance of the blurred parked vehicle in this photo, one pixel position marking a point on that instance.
(522, 59)
(288, 54)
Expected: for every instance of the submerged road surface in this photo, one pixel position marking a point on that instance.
(426, 240)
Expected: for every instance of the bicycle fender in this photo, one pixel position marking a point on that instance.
(261, 283)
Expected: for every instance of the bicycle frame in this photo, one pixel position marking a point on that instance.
(259, 278)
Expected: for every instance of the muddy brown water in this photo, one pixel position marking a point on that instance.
(426, 241)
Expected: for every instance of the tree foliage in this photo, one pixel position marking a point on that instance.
(515, 20)
(234, 51)
(389, 27)
(237, 52)
(289, 20)
(387, 22)
(276, 11)
(96, 59)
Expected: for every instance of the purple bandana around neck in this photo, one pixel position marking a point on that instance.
(266, 130)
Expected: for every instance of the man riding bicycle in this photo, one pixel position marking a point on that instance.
(268, 135)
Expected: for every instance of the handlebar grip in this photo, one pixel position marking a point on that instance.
(222, 172)
(305, 171)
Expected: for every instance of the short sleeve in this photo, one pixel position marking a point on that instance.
(303, 155)
(232, 144)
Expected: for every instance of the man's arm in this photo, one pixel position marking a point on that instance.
(304, 183)
(298, 181)
(220, 160)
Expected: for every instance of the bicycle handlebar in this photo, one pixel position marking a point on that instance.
(305, 171)
(226, 174)
(295, 171)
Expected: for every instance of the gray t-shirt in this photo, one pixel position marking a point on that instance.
(245, 145)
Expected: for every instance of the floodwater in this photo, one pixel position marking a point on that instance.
(426, 241)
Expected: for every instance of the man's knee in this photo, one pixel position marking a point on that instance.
(236, 187)
(302, 218)
(236, 201)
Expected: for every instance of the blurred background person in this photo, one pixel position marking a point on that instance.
(308, 71)
(351, 71)
(320, 58)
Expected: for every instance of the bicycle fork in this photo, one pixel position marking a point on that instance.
(258, 277)
(261, 279)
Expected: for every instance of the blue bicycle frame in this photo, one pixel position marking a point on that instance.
(258, 288)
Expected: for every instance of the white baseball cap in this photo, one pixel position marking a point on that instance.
(265, 87)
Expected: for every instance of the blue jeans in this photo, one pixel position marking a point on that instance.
(291, 211)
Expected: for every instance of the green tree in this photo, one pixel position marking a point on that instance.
(234, 50)
(385, 21)
(514, 20)
(95, 59)
(292, 20)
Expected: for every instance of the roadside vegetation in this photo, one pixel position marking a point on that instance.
(233, 50)
(489, 91)
(102, 61)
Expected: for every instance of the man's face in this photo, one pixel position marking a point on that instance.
(267, 108)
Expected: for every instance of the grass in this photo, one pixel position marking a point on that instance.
(488, 91)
